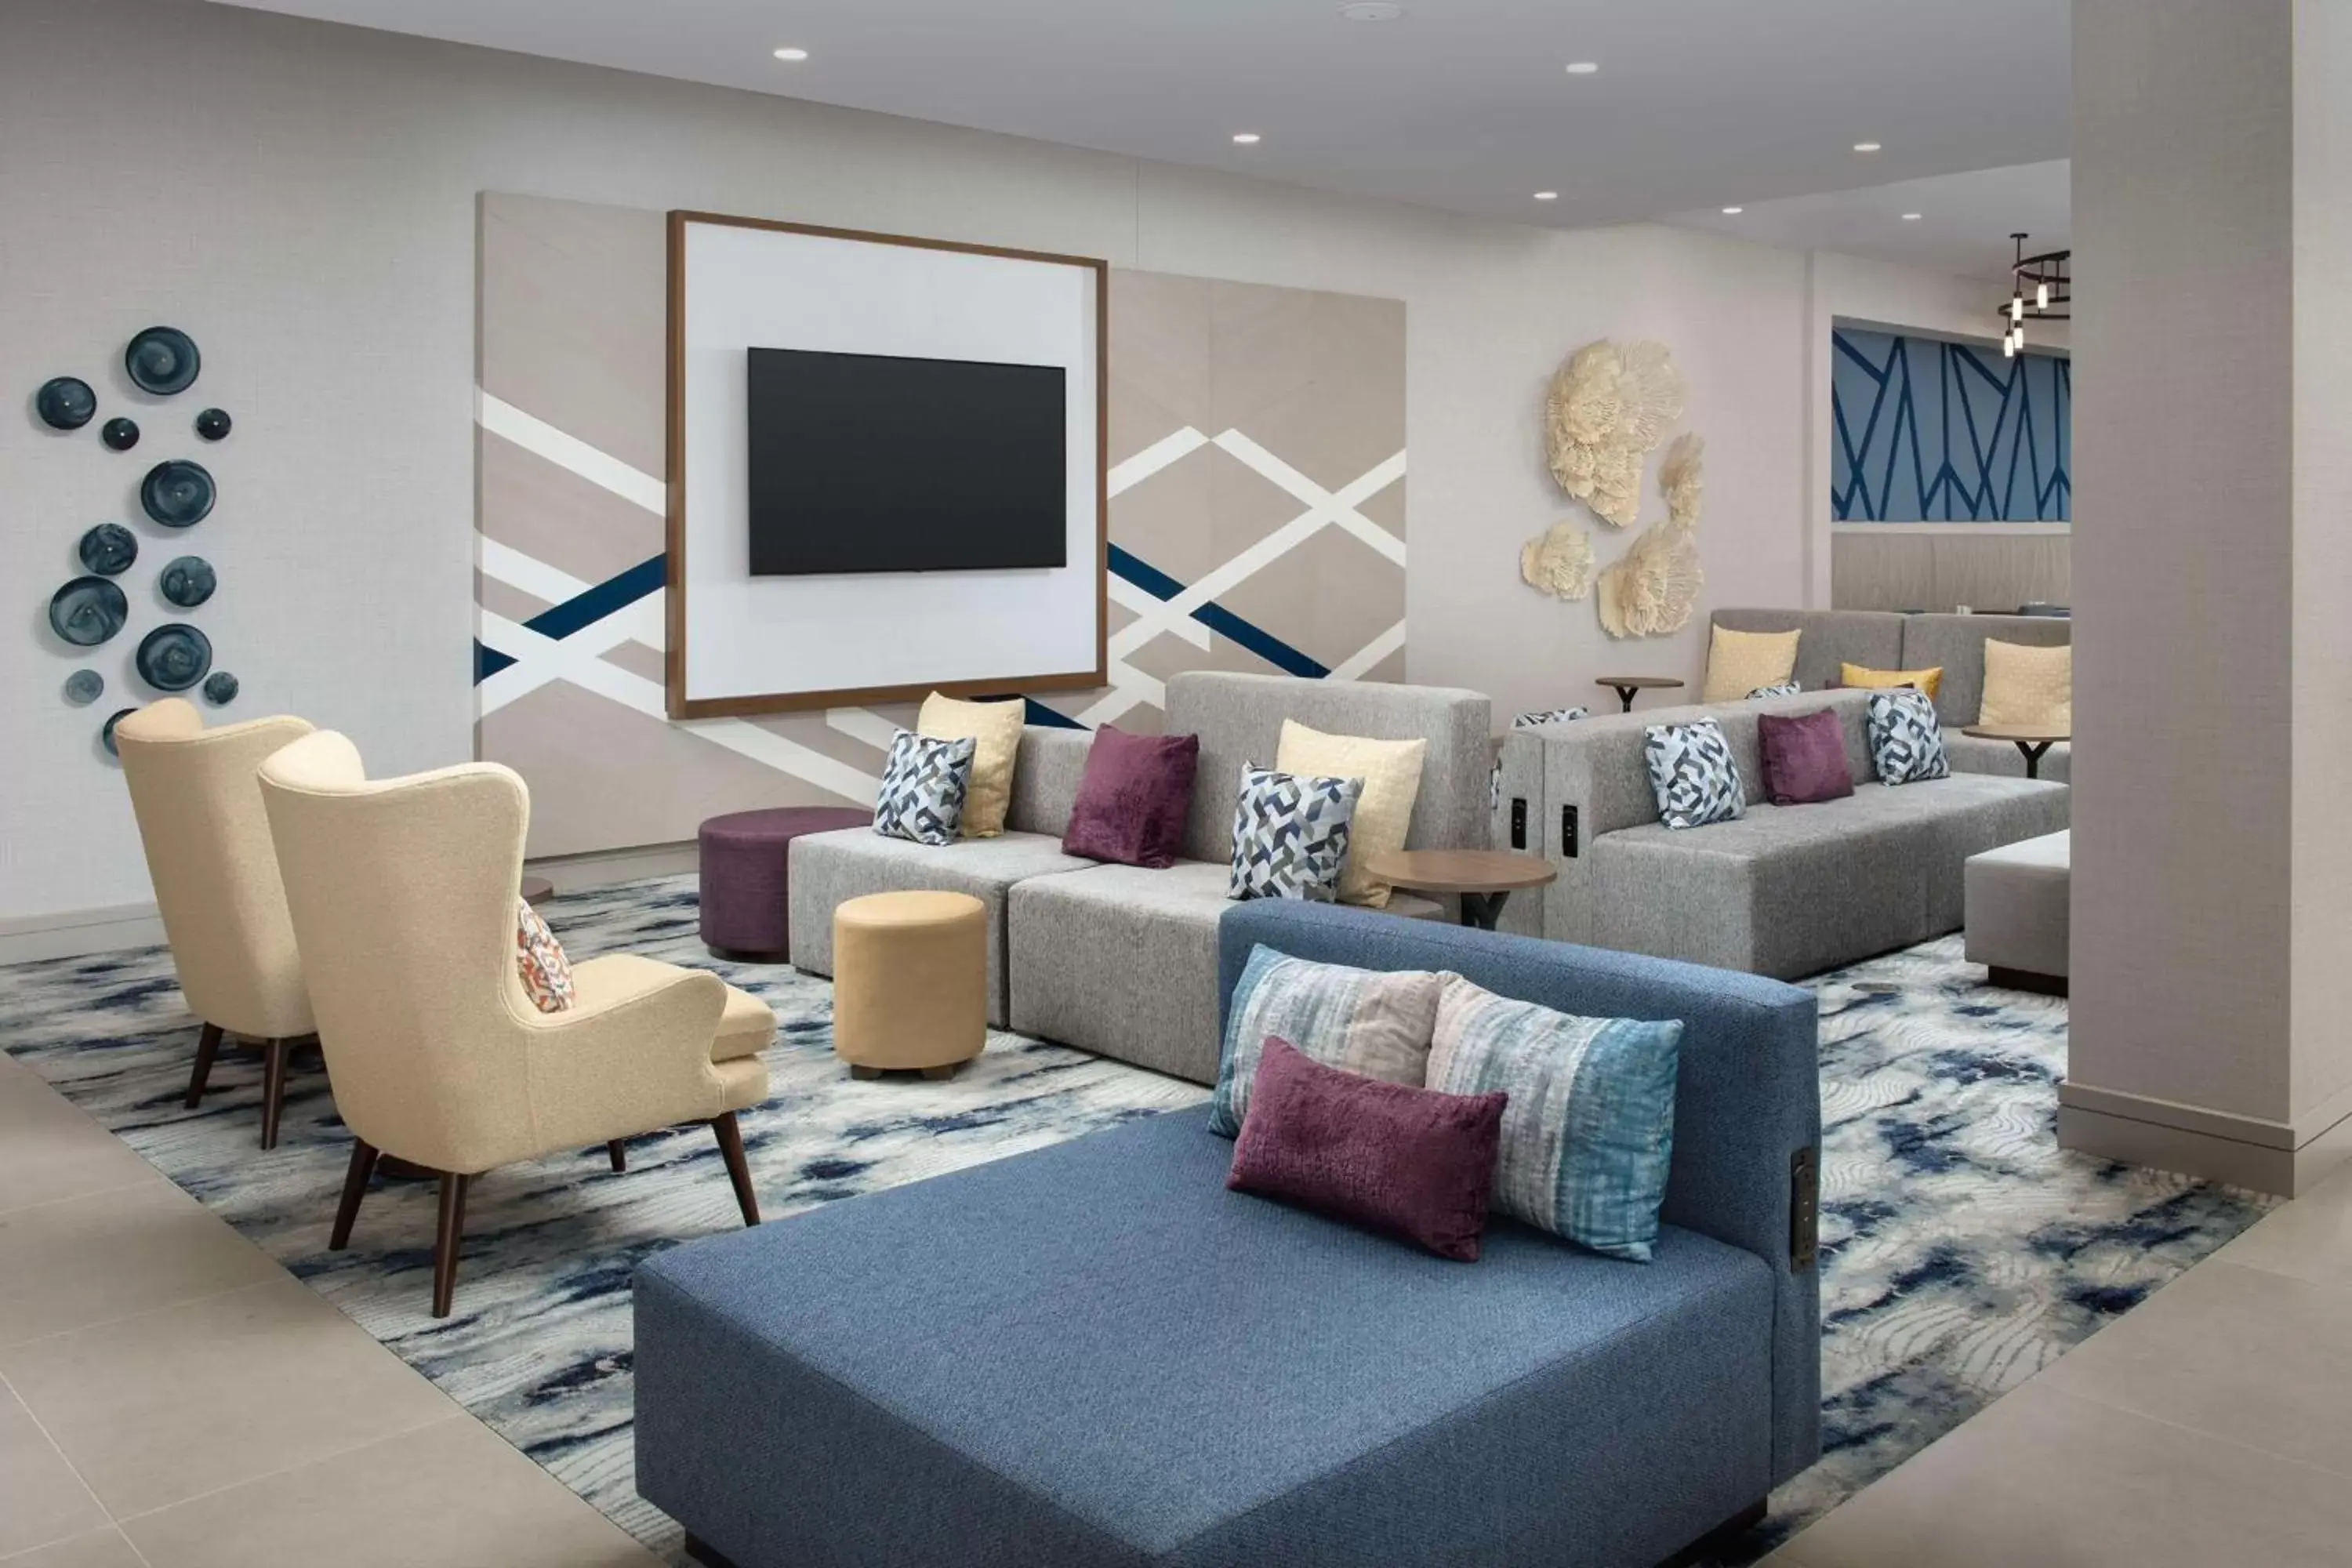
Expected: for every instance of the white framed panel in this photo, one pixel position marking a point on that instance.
(745, 644)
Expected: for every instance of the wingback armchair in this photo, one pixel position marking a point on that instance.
(403, 897)
(199, 804)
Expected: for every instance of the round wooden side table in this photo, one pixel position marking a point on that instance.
(1625, 685)
(1485, 879)
(2030, 743)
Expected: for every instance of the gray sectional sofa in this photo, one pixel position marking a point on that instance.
(1120, 960)
(1882, 639)
(1094, 1355)
(1783, 890)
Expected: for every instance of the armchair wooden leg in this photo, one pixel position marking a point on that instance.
(619, 1151)
(208, 1045)
(273, 1089)
(355, 1181)
(444, 1241)
(738, 1168)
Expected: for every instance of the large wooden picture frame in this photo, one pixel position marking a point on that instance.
(682, 707)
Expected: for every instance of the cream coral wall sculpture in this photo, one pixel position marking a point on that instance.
(1650, 592)
(1610, 405)
(1558, 562)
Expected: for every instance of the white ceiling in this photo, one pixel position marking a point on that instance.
(1461, 104)
(1964, 223)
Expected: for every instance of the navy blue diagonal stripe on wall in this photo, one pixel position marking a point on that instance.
(589, 605)
(1927, 431)
(1219, 619)
(488, 661)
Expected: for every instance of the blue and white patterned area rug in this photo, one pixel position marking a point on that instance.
(1962, 1251)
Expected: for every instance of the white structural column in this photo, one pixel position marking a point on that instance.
(2212, 804)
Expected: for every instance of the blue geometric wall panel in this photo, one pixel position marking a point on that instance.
(1926, 431)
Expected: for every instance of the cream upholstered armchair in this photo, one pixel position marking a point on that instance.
(403, 894)
(198, 802)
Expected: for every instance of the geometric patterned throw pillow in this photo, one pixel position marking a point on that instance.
(1290, 834)
(923, 786)
(1907, 743)
(1548, 716)
(1786, 688)
(1693, 775)
(539, 959)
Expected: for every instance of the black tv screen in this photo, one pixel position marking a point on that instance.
(874, 463)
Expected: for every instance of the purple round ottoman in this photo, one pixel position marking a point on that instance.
(746, 859)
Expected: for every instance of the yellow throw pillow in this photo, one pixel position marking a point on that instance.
(995, 727)
(2028, 687)
(1739, 662)
(1391, 773)
(1927, 680)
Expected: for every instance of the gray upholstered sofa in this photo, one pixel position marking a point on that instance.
(1094, 1355)
(1783, 890)
(1882, 639)
(1120, 960)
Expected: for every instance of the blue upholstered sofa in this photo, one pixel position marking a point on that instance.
(1095, 1355)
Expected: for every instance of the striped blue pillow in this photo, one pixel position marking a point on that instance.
(1588, 1134)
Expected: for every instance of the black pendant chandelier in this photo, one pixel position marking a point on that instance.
(2041, 288)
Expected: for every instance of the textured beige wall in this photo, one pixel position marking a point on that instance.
(1941, 566)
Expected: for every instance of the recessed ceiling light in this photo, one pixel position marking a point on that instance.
(1370, 11)
(791, 53)
(1866, 146)
(1733, 212)
(1583, 68)
(1546, 195)
(1245, 138)
(1910, 217)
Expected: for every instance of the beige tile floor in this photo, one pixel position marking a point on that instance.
(2210, 1426)
(170, 1397)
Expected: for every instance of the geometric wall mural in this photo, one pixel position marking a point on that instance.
(1256, 477)
(1929, 431)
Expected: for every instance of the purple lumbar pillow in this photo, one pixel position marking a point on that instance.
(1133, 798)
(1804, 757)
(1413, 1163)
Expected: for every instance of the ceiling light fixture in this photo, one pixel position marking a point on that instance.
(1911, 217)
(1867, 146)
(2040, 288)
(1245, 139)
(1733, 212)
(1546, 195)
(1583, 68)
(789, 54)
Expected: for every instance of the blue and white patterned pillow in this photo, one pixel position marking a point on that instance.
(1529, 721)
(1589, 1129)
(1693, 774)
(1785, 689)
(923, 786)
(1907, 743)
(1290, 834)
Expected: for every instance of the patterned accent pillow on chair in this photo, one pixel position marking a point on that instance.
(1290, 834)
(539, 959)
(1785, 689)
(923, 787)
(1907, 743)
(1693, 774)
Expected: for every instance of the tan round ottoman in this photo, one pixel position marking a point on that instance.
(910, 982)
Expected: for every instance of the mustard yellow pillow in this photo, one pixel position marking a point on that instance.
(1391, 773)
(1927, 680)
(1739, 662)
(995, 730)
(2028, 687)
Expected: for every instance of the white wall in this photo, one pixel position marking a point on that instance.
(301, 198)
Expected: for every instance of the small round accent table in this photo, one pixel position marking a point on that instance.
(1625, 685)
(910, 982)
(746, 864)
(1483, 879)
(2030, 743)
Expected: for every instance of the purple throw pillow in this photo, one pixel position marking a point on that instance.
(1412, 1163)
(1133, 799)
(1804, 757)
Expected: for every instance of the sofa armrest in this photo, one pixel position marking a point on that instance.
(1748, 1115)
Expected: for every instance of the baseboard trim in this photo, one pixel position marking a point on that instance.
(601, 868)
(2093, 1123)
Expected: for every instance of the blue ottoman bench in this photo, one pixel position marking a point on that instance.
(1095, 1355)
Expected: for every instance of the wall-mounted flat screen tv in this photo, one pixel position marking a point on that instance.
(878, 463)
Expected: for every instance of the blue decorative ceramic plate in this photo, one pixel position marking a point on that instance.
(220, 688)
(162, 360)
(120, 435)
(213, 424)
(106, 732)
(84, 687)
(173, 657)
(88, 610)
(188, 581)
(66, 403)
(109, 548)
(177, 494)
